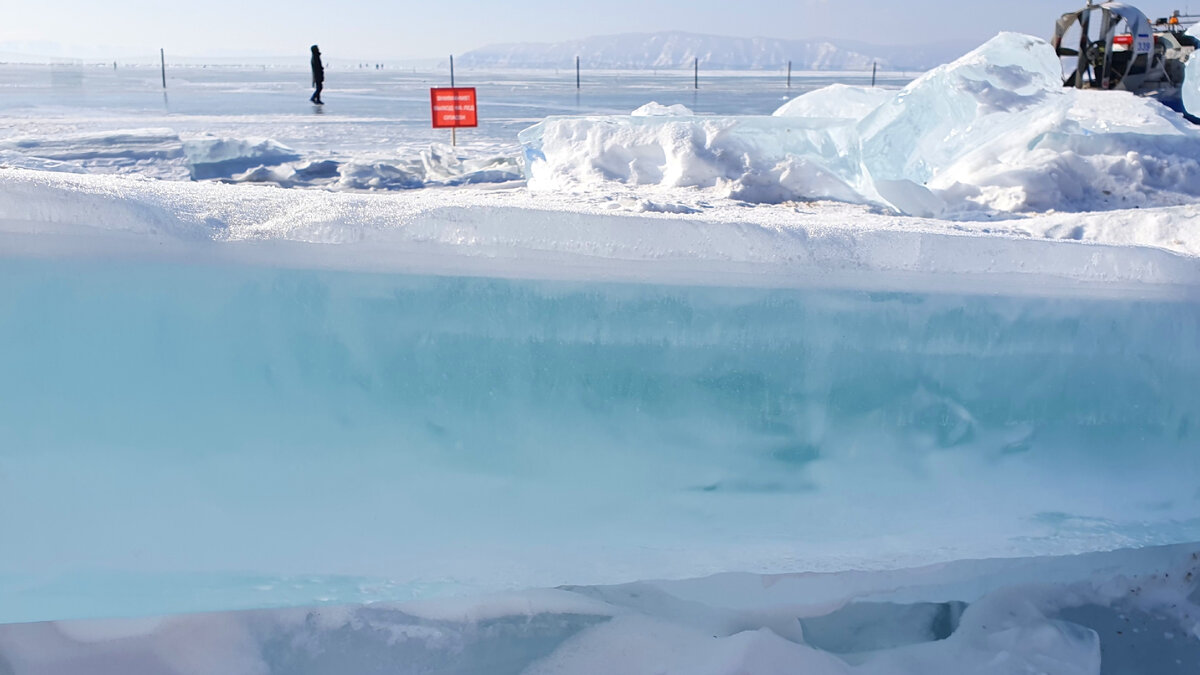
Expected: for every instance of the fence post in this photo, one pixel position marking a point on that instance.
(873, 65)
(696, 72)
(789, 75)
(453, 130)
(162, 59)
(576, 72)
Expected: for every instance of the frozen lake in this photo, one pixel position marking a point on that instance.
(601, 426)
(367, 111)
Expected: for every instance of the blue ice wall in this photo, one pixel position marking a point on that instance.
(274, 435)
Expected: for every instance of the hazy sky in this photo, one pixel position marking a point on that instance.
(408, 29)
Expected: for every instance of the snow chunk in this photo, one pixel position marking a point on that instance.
(367, 175)
(211, 157)
(656, 109)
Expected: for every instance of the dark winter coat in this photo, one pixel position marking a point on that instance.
(317, 68)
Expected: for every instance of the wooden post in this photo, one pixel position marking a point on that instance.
(576, 72)
(696, 72)
(162, 59)
(789, 74)
(873, 65)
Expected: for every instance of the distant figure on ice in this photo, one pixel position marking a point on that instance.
(318, 75)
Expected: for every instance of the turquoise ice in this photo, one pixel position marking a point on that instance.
(249, 436)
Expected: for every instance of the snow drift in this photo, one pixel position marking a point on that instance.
(991, 132)
(163, 154)
(668, 238)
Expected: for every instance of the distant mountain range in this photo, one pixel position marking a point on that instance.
(677, 50)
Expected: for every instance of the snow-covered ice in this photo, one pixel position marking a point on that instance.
(993, 132)
(361, 399)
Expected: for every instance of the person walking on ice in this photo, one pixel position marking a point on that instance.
(318, 76)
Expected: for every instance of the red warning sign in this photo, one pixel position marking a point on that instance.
(453, 107)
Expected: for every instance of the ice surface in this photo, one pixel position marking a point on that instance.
(991, 132)
(1127, 611)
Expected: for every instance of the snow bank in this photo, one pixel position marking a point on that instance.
(1129, 611)
(993, 132)
(681, 237)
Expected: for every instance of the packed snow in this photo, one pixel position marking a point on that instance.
(318, 392)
